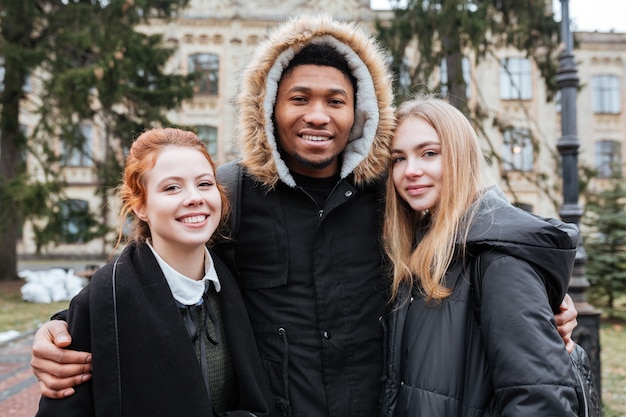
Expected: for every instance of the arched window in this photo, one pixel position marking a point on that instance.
(207, 67)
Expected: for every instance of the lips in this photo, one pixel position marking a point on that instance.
(417, 189)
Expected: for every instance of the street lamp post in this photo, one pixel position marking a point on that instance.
(587, 333)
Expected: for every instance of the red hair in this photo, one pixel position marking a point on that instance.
(142, 158)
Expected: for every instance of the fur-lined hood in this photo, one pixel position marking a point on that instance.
(367, 152)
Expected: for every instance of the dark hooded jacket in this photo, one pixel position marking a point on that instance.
(442, 362)
(311, 274)
(144, 363)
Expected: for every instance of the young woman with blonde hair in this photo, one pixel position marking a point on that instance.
(449, 356)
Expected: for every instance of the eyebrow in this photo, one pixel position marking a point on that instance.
(178, 177)
(304, 89)
(419, 146)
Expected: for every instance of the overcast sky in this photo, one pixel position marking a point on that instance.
(586, 15)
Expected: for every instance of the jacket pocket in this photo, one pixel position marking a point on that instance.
(262, 257)
(278, 377)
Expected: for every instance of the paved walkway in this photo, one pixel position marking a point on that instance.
(19, 392)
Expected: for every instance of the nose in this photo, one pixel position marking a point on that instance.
(193, 198)
(413, 169)
(317, 114)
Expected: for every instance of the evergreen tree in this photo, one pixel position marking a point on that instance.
(439, 31)
(426, 35)
(605, 240)
(72, 61)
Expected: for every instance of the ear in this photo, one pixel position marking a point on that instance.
(140, 214)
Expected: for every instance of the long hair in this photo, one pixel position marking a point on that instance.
(421, 246)
(141, 158)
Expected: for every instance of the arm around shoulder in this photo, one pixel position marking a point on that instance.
(57, 368)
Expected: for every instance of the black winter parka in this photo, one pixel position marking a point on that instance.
(442, 362)
(311, 277)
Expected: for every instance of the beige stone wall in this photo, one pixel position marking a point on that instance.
(231, 29)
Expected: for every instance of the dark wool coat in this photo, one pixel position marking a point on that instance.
(150, 369)
(441, 362)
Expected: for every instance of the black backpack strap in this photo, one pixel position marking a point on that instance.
(230, 175)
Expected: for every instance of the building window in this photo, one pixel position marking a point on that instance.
(467, 77)
(77, 149)
(517, 150)
(208, 135)
(608, 158)
(515, 79)
(75, 221)
(605, 92)
(206, 67)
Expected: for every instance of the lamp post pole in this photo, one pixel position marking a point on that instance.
(587, 333)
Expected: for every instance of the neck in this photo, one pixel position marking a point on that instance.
(186, 261)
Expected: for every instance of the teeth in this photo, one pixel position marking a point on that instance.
(315, 138)
(194, 219)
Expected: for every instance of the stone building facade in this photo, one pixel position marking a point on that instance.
(215, 37)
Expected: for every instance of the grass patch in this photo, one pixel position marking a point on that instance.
(613, 360)
(20, 315)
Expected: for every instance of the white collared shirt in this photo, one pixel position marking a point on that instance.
(185, 290)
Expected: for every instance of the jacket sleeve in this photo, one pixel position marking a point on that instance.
(528, 362)
(81, 403)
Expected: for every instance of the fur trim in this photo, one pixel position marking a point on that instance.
(367, 152)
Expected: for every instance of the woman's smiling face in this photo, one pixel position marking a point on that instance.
(182, 205)
(417, 163)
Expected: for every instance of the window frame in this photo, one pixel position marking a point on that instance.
(606, 94)
(73, 156)
(522, 160)
(207, 66)
(607, 158)
(208, 135)
(516, 79)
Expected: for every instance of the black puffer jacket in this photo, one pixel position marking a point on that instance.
(442, 363)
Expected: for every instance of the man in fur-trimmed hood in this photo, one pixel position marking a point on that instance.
(315, 124)
(367, 152)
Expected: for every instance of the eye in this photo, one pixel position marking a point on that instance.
(299, 99)
(336, 102)
(206, 184)
(171, 187)
(430, 154)
(396, 159)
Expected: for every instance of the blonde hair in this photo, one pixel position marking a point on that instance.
(142, 157)
(421, 246)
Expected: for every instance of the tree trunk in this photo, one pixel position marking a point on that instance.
(8, 254)
(17, 26)
(454, 63)
(9, 154)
